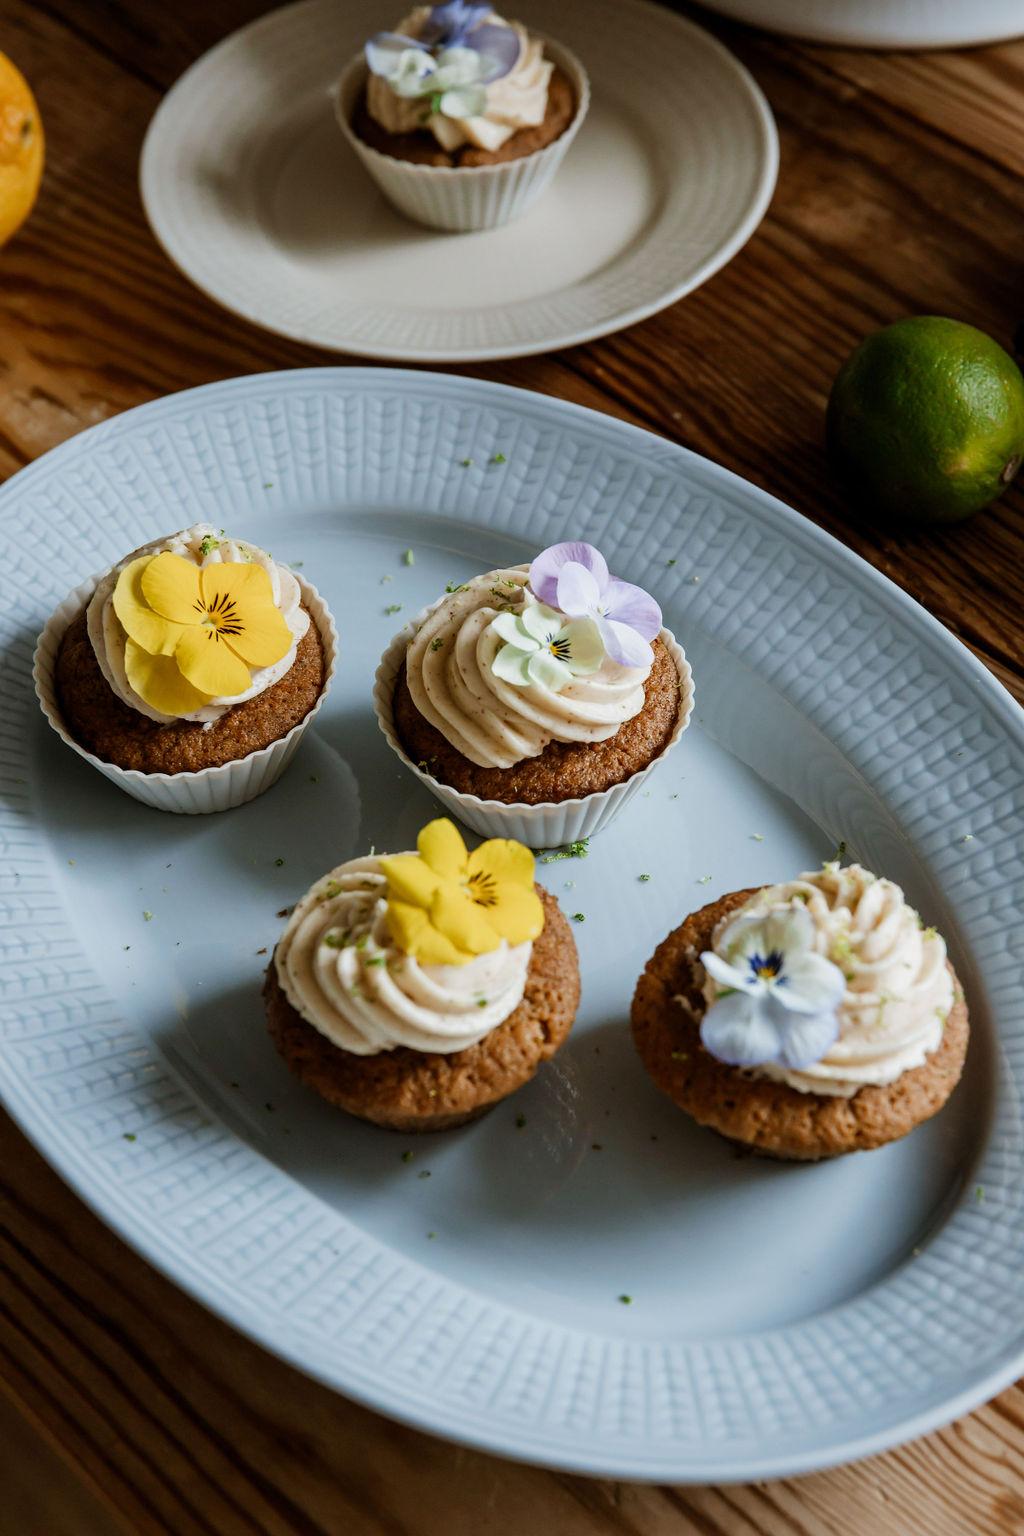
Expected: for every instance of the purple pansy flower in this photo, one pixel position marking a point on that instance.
(574, 578)
(778, 996)
(461, 25)
(456, 26)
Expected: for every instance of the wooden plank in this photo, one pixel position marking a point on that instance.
(42, 1495)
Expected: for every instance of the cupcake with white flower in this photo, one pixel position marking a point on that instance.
(535, 699)
(460, 116)
(187, 672)
(807, 1019)
(417, 990)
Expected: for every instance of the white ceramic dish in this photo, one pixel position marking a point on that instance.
(256, 196)
(539, 826)
(186, 794)
(883, 23)
(482, 1303)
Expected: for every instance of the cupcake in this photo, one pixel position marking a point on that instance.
(535, 699)
(187, 672)
(804, 1020)
(418, 990)
(461, 117)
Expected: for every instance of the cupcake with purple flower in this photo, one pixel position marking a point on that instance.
(536, 699)
(460, 116)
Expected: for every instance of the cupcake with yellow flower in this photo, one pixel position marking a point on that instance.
(417, 990)
(188, 671)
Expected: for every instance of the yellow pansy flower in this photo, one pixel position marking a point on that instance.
(194, 632)
(446, 906)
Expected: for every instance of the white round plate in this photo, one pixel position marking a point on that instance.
(783, 1317)
(253, 192)
(883, 23)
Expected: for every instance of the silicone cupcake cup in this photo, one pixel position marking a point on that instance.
(209, 789)
(463, 197)
(548, 825)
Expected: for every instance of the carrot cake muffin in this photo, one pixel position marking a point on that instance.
(456, 85)
(417, 990)
(541, 683)
(806, 1019)
(196, 650)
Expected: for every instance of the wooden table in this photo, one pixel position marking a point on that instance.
(126, 1406)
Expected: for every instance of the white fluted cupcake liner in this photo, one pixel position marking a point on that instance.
(548, 825)
(208, 789)
(463, 197)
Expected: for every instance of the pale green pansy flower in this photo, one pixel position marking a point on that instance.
(545, 648)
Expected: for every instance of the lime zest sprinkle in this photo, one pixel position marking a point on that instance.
(576, 850)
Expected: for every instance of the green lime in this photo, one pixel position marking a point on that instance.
(926, 420)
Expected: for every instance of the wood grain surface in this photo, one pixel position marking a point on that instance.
(126, 1407)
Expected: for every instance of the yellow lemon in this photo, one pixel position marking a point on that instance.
(21, 149)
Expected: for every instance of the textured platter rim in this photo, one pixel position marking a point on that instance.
(940, 1403)
(160, 221)
(905, 25)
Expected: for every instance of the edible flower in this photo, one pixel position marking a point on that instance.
(455, 56)
(574, 578)
(779, 996)
(194, 632)
(446, 906)
(544, 647)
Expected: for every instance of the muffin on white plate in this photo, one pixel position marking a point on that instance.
(188, 671)
(804, 1020)
(461, 117)
(417, 990)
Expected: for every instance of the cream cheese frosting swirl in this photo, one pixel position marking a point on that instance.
(516, 100)
(899, 989)
(449, 669)
(109, 640)
(341, 970)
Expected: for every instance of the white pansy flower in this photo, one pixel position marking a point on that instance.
(543, 647)
(779, 996)
(408, 68)
(453, 81)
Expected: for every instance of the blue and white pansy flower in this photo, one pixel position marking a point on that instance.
(545, 647)
(457, 54)
(777, 997)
